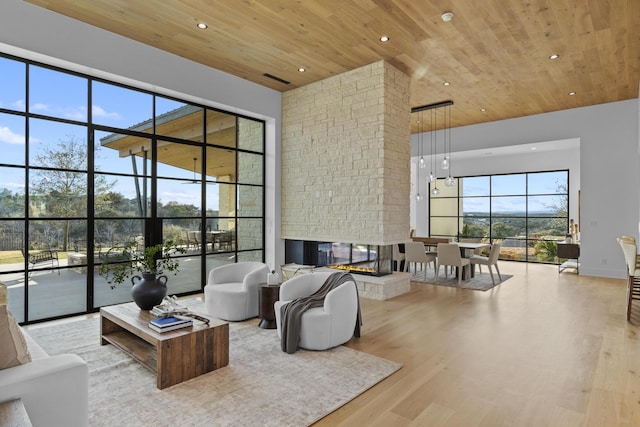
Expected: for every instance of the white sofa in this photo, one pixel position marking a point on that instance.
(53, 389)
(324, 327)
(232, 290)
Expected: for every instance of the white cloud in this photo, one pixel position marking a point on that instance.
(10, 137)
(180, 197)
(39, 107)
(17, 185)
(78, 114)
(98, 111)
(19, 105)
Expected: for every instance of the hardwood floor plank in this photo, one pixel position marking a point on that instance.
(434, 415)
(542, 348)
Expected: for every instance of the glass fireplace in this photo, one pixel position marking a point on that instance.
(372, 260)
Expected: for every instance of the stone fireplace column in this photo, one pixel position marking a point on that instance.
(346, 158)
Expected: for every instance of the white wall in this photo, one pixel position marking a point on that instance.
(35, 33)
(609, 170)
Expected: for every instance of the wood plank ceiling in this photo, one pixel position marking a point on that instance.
(494, 53)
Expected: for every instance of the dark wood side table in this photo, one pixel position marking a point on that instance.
(269, 294)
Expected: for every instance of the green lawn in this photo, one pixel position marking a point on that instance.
(13, 257)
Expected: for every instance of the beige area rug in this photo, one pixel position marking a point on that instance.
(481, 281)
(261, 386)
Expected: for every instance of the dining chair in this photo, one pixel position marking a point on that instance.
(632, 239)
(449, 255)
(414, 253)
(398, 257)
(630, 251)
(491, 260)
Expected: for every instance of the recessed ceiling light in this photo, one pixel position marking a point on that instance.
(202, 25)
(446, 83)
(483, 109)
(554, 56)
(571, 93)
(534, 148)
(301, 70)
(384, 39)
(447, 16)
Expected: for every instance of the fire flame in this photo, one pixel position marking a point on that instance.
(353, 269)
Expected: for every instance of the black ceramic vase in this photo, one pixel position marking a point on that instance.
(148, 290)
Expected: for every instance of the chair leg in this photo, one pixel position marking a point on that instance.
(629, 297)
(438, 271)
(491, 273)
(460, 272)
(498, 270)
(480, 268)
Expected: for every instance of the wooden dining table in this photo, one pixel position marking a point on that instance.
(470, 246)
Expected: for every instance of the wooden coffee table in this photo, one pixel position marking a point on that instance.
(174, 356)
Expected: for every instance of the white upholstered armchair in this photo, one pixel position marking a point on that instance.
(321, 327)
(232, 290)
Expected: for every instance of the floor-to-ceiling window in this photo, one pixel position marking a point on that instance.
(527, 212)
(88, 167)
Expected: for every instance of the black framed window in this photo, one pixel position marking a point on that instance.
(527, 212)
(90, 165)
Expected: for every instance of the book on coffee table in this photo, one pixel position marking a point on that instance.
(170, 323)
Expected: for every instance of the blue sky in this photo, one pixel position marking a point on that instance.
(514, 188)
(65, 96)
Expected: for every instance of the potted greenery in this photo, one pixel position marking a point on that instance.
(151, 262)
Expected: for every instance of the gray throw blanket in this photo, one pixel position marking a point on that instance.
(291, 313)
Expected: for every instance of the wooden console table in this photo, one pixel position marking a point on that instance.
(174, 356)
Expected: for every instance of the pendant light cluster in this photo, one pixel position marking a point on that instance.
(445, 165)
(446, 162)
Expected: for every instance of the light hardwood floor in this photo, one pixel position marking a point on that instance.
(542, 349)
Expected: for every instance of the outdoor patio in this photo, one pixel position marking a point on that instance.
(54, 292)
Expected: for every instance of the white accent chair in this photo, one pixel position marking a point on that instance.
(232, 290)
(449, 255)
(491, 260)
(324, 327)
(414, 252)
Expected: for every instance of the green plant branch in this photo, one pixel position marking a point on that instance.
(156, 259)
